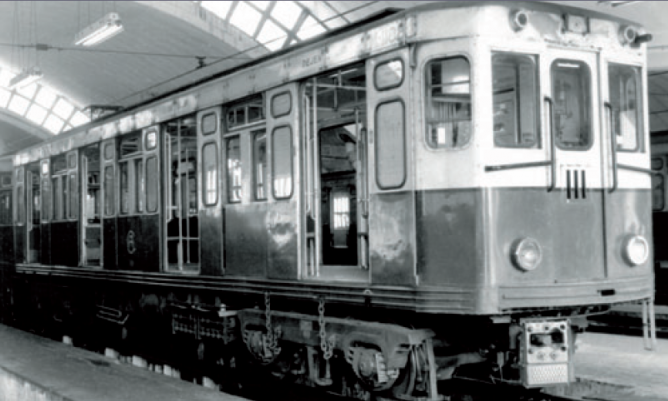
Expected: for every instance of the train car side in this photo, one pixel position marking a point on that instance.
(399, 202)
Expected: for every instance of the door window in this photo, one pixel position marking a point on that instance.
(571, 93)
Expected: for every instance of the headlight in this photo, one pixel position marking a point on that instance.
(627, 34)
(518, 20)
(636, 250)
(526, 254)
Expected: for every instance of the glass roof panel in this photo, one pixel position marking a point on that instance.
(54, 124)
(37, 114)
(63, 108)
(4, 97)
(28, 91)
(310, 28)
(220, 8)
(287, 13)
(5, 77)
(246, 18)
(45, 97)
(19, 104)
(79, 118)
(272, 36)
(38, 101)
(262, 5)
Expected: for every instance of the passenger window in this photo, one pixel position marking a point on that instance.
(389, 74)
(571, 93)
(625, 97)
(152, 181)
(282, 162)
(210, 173)
(390, 145)
(20, 205)
(6, 208)
(234, 183)
(281, 104)
(109, 194)
(448, 103)
(19, 194)
(515, 93)
(125, 187)
(140, 184)
(209, 123)
(260, 164)
(130, 145)
(341, 210)
(245, 112)
(73, 211)
(46, 199)
(58, 195)
(61, 192)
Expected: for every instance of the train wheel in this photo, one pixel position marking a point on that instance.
(369, 366)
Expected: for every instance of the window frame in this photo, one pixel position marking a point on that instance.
(398, 84)
(377, 147)
(254, 135)
(426, 87)
(291, 164)
(215, 125)
(640, 96)
(558, 143)
(205, 187)
(228, 177)
(109, 187)
(62, 193)
(7, 219)
(271, 104)
(245, 103)
(156, 183)
(538, 144)
(19, 197)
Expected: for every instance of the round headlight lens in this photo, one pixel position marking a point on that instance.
(518, 20)
(627, 34)
(526, 254)
(636, 250)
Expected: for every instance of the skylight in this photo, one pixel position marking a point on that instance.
(274, 24)
(287, 13)
(41, 105)
(246, 18)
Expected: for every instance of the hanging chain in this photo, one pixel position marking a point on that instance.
(326, 345)
(271, 339)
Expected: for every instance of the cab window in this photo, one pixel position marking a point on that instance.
(515, 94)
(625, 99)
(571, 94)
(448, 103)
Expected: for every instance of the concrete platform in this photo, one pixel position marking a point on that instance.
(619, 368)
(35, 368)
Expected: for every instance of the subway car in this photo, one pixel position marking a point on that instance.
(445, 192)
(660, 216)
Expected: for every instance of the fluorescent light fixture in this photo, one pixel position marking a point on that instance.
(26, 77)
(106, 27)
